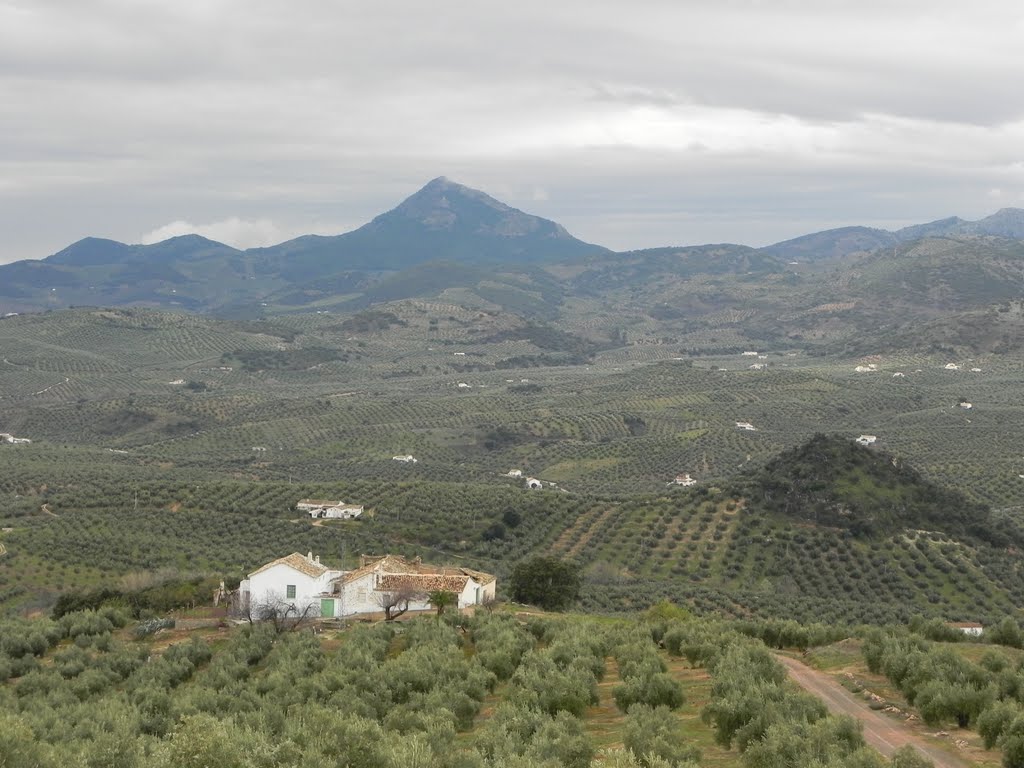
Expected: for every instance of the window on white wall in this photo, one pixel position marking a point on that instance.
(289, 591)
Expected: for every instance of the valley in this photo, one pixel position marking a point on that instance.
(734, 448)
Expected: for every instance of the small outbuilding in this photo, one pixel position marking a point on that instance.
(972, 628)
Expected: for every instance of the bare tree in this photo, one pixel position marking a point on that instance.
(395, 602)
(489, 603)
(284, 615)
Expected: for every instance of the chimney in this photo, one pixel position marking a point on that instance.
(318, 559)
(309, 555)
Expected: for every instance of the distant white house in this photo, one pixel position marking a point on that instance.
(344, 512)
(866, 440)
(309, 505)
(464, 385)
(408, 458)
(869, 368)
(971, 628)
(975, 370)
(533, 484)
(757, 367)
(966, 406)
(684, 480)
(952, 367)
(514, 473)
(334, 510)
(750, 353)
(459, 354)
(10, 439)
(746, 425)
(898, 375)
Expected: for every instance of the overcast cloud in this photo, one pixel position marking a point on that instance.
(634, 124)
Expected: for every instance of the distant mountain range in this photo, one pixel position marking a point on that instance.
(452, 240)
(443, 221)
(1007, 222)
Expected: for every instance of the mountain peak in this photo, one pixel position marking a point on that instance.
(444, 204)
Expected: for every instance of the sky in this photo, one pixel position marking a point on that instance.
(632, 123)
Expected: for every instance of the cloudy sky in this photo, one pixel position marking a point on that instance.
(632, 123)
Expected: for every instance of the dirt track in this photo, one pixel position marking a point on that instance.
(881, 732)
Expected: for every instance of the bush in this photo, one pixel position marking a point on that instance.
(147, 628)
(908, 757)
(546, 582)
(654, 732)
(994, 721)
(658, 690)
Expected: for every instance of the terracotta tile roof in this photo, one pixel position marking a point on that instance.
(479, 577)
(300, 563)
(421, 582)
(395, 565)
(321, 502)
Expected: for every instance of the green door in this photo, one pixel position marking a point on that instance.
(327, 607)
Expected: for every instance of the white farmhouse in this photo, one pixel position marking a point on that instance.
(312, 505)
(866, 440)
(514, 473)
(966, 406)
(869, 368)
(407, 458)
(951, 367)
(533, 484)
(382, 580)
(300, 586)
(750, 353)
(746, 425)
(334, 510)
(684, 480)
(290, 585)
(343, 512)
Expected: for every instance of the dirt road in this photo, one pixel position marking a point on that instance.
(883, 733)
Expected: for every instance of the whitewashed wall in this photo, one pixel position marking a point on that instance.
(270, 586)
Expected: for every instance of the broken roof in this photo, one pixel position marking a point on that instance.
(395, 565)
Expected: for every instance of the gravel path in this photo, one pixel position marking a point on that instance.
(881, 732)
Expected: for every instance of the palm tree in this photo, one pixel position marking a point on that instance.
(441, 599)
